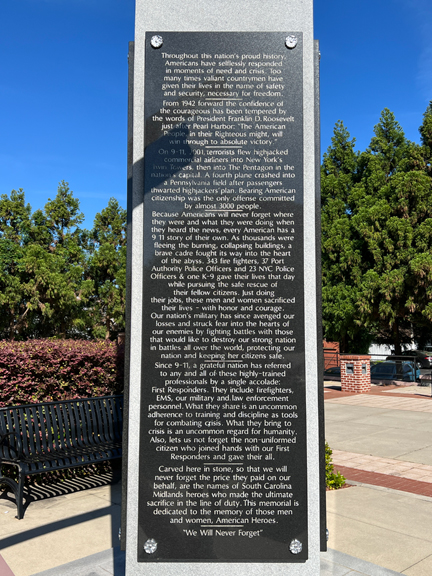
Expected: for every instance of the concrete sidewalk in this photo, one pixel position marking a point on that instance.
(66, 522)
(111, 563)
(382, 443)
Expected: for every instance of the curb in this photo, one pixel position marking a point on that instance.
(110, 562)
(333, 558)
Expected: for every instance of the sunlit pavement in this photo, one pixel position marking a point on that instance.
(382, 444)
(66, 522)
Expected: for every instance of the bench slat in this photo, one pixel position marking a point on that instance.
(61, 443)
(33, 431)
(70, 417)
(117, 419)
(70, 430)
(43, 429)
(110, 420)
(86, 424)
(97, 422)
(64, 433)
(52, 421)
(50, 430)
(104, 421)
(22, 429)
(10, 440)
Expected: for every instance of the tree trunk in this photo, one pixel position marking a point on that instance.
(396, 339)
(107, 327)
(343, 344)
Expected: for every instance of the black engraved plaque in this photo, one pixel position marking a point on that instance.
(223, 473)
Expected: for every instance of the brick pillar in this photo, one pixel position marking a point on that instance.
(355, 373)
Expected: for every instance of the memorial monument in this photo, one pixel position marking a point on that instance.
(225, 413)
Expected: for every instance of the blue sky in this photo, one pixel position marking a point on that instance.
(63, 86)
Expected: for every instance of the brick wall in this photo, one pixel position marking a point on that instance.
(356, 382)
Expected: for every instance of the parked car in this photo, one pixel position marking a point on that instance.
(333, 371)
(395, 370)
(422, 358)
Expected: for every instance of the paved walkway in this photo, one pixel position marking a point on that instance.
(111, 563)
(382, 444)
(389, 472)
(63, 523)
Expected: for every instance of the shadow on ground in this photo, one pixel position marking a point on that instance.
(44, 502)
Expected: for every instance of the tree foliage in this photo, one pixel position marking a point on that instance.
(341, 250)
(108, 270)
(57, 279)
(377, 236)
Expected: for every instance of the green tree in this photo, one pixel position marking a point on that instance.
(426, 137)
(422, 329)
(377, 237)
(57, 291)
(14, 227)
(108, 269)
(14, 216)
(393, 220)
(341, 248)
(55, 278)
(58, 285)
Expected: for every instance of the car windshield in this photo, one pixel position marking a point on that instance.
(392, 368)
(385, 368)
(333, 370)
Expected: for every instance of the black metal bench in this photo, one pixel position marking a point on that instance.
(38, 438)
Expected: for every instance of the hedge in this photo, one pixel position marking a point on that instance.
(47, 370)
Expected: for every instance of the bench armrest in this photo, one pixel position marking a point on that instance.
(4, 442)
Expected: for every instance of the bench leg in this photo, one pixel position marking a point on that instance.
(18, 493)
(20, 497)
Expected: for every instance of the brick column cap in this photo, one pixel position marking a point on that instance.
(355, 357)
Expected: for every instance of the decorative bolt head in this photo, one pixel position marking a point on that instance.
(296, 546)
(150, 546)
(156, 41)
(291, 42)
